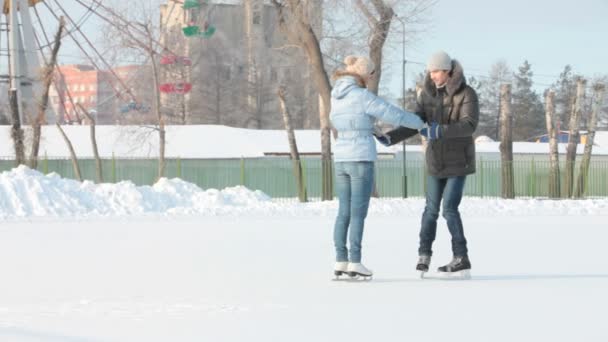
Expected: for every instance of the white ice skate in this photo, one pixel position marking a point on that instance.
(356, 270)
(340, 268)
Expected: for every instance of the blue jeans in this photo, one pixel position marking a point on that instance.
(451, 190)
(354, 182)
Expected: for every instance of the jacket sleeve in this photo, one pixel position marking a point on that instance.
(469, 117)
(401, 133)
(391, 114)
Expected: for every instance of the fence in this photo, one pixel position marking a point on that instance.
(274, 176)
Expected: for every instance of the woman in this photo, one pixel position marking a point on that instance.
(354, 111)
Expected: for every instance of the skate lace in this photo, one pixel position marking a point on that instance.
(455, 261)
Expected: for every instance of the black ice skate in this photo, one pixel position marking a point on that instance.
(423, 264)
(459, 267)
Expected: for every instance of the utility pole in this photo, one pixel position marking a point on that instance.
(404, 176)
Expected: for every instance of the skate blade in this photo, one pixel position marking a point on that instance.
(460, 275)
(359, 276)
(355, 278)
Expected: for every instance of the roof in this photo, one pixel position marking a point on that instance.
(214, 141)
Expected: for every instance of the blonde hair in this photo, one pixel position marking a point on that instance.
(358, 67)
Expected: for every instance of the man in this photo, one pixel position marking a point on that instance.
(451, 110)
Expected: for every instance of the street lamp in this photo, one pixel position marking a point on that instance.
(403, 100)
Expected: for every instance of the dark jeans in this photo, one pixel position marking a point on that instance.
(354, 183)
(451, 190)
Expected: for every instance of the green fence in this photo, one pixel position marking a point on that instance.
(274, 176)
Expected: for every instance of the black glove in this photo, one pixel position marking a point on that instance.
(382, 138)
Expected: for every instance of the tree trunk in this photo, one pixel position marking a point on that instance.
(304, 36)
(379, 32)
(157, 104)
(573, 135)
(327, 193)
(72, 153)
(47, 79)
(293, 147)
(98, 165)
(554, 180)
(16, 131)
(583, 175)
(506, 142)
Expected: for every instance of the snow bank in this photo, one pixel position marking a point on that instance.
(26, 193)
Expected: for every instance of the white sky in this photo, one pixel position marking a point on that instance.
(549, 34)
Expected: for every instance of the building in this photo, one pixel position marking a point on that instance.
(103, 94)
(237, 65)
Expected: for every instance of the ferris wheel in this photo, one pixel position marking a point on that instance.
(29, 27)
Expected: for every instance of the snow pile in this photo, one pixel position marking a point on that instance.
(28, 193)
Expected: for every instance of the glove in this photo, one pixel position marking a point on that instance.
(433, 132)
(382, 138)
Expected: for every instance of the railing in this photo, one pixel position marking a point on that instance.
(275, 176)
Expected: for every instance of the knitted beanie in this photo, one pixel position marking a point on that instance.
(439, 61)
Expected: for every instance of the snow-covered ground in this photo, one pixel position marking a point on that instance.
(172, 262)
(216, 141)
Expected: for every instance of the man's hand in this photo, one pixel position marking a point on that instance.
(432, 132)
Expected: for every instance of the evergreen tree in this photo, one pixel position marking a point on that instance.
(528, 111)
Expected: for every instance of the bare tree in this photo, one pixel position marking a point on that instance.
(293, 146)
(380, 24)
(139, 38)
(47, 79)
(73, 156)
(554, 180)
(506, 142)
(16, 130)
(98, 165)
(573, 136)
(581, 184)
(294, 23)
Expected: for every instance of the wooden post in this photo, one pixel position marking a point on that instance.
(16, 131)
(554, 180)
(573, 135)
(506, 142)
(293, 146)
(581, 184)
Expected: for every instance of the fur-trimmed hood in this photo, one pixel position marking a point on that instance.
(456, 81)
(346, 82)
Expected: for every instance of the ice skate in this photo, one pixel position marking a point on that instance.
(458, 268)
(340, 268)
(423, 264)
(356, 270)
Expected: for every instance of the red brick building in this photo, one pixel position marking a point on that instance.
(103, 94)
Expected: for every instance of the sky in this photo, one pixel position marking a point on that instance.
(549, 34)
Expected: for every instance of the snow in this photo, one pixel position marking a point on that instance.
(26, 193)
(214, 141)
(173, 262)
